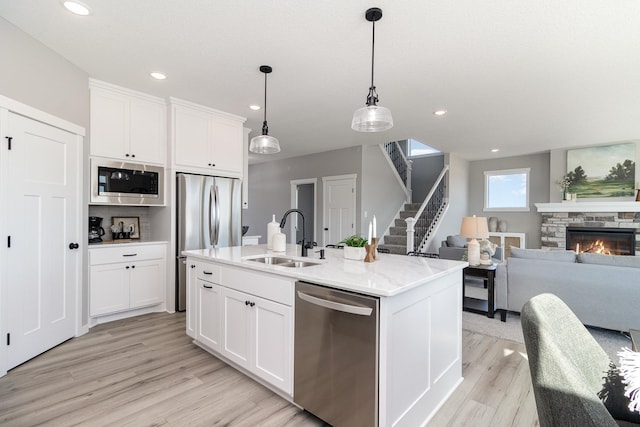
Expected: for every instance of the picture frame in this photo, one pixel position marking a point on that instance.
(602, 172)
(125, 227)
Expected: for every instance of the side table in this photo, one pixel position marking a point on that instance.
(488, 274)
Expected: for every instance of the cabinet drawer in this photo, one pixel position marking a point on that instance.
(125, 254)
(271, 287)
(208, 272)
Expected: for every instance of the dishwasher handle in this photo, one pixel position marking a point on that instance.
(332, 305)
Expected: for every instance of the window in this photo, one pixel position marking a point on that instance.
(417, 148)
(506, 190)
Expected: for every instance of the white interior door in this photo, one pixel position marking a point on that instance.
(42, 180)
(303, 197)
(339, 195)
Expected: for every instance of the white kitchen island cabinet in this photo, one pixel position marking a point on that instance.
(419, 361)
(125, 277)
(127, 125)
(206, 140)
(252, 330)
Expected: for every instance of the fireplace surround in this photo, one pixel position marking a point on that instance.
(604, 240)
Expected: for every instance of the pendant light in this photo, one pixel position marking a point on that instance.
(264, 144)
(372, 118)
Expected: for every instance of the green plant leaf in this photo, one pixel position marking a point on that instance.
(354, 241)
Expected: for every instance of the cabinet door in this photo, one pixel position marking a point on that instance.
(109, 124)
(209, 317)
(109, 288)
(191, 292)
(236, 327)
(146, 282)
(148, 131)
(273, 343)
(226, 140)
(191, 133)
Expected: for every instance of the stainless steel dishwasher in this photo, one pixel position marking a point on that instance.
(336, 355)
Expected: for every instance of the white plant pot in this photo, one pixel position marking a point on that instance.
(357, 254)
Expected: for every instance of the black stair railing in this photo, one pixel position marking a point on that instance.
(427, 216)
(398, 159)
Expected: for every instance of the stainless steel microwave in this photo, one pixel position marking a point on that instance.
(119, 183)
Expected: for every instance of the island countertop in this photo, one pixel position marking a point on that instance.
(387, 276)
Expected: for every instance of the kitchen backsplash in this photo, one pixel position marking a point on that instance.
(107, 212)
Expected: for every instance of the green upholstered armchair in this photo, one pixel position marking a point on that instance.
(574, 381)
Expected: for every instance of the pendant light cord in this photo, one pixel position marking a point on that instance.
(265, 128)
(373, 50)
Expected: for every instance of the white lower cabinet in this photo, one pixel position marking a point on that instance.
(125, 278)
(254, 332)
(208, 329)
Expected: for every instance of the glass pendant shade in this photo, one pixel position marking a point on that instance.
(264, 144)
(372, 118)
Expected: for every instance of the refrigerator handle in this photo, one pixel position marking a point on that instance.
(211, 219)
(217, 214)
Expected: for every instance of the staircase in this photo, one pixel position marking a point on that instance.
(396, 240)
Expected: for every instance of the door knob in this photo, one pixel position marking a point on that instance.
(73, 246)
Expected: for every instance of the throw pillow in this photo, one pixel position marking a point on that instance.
(630, 370)
(614, 260)
(456, 242)
(562, 256)
(488, 247)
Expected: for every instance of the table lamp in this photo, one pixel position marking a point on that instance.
(474, 227)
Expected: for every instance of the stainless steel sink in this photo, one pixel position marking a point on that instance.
(284, 261)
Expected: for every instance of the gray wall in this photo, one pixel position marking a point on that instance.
(34, 75)
(521, 222)
(425, 171)
(382, 194)
(270, 186)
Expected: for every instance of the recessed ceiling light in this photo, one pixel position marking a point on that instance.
(157, 75)
(254, 107)
(495, 150)
(76, 7)
(440, 112)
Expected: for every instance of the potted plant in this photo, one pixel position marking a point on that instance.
(354, 247)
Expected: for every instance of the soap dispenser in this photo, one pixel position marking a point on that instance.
(273, 227)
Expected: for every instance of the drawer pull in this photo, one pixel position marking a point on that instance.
(207, 286)
(129, 254)
(208, 273)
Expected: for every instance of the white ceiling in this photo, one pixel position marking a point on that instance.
(522, 76)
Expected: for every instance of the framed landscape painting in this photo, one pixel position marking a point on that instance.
(603, 171)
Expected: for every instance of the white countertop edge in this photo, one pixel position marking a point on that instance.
(130, 242)
(304, 272)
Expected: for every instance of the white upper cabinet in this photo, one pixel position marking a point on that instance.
(127, 125)
(206, 141)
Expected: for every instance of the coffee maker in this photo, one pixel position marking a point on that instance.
(95, 229)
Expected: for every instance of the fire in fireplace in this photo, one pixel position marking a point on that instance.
(609, 241)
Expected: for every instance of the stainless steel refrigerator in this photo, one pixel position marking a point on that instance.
(209, 216)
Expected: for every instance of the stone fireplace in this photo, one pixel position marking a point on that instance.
(601, 240)
(556, 217)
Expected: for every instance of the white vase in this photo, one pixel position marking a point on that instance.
(502, 226)
(493, 223)
(351, 252)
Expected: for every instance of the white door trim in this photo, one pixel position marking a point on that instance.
(294, 204)
(325, 181)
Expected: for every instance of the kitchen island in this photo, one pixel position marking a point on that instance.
(241, 309)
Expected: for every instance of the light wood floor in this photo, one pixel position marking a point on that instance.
(145, 371)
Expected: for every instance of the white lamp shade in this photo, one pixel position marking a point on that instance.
(372, 118)
(264, 144)
(474, 227)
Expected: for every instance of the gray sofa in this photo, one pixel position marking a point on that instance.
(602, 290)
(455, 248)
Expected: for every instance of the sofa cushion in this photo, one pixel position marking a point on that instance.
(613, 260)
(562, 256)
(456, 241)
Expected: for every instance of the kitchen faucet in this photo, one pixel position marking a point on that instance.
(305, 246)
